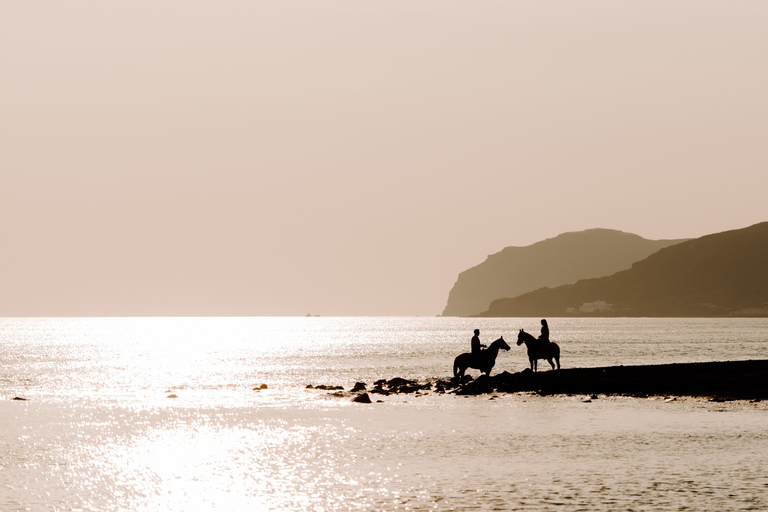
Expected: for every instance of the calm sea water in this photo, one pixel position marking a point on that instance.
(98, 431)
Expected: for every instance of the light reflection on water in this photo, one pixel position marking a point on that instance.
(98, 432)
(439, 453)
(141, 358)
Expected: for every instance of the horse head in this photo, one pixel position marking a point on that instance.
(500, 343)
(522, 336)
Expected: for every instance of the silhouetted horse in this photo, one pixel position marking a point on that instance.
(538, 349)
(484, 361)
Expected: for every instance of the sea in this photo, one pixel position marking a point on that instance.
(187, 414)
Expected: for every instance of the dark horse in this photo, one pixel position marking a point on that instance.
(538, 349)
(484, 361)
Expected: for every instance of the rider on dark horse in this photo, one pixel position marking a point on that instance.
(544, 336)
(477, 347)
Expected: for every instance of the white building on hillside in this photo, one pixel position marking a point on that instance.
(598, 305)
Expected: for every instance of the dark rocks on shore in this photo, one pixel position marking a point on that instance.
(324, 387)
(482, 384)
(19, 398)
(399, 385)
(728, 380)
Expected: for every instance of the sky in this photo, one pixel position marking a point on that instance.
(352, 158)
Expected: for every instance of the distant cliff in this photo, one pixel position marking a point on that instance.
(724, 274)
(563, 259)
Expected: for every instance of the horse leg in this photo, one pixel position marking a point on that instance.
(458, 370)
(551, 363)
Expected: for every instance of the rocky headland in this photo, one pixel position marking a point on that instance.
(719, 275)
(564, 259)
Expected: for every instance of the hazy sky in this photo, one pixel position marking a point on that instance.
(352, 157)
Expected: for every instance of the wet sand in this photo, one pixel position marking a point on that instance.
(745, 380)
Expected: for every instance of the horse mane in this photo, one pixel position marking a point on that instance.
(527, 334)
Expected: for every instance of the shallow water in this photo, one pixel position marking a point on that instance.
(98, 432)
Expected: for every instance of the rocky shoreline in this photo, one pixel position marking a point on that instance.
(725, 380)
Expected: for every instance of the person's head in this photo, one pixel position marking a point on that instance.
(543, 322)
(477, 331)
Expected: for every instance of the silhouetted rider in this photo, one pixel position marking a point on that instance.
(477, 347)
(544, 336)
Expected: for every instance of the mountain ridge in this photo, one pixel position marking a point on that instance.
(563, 259)
(718, 275)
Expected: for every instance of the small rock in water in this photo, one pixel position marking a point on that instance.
(263, 386)
(19, 398)
(172, 396)
(362, 399)
(360, 386)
